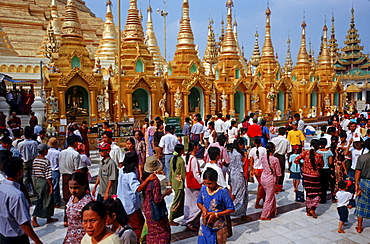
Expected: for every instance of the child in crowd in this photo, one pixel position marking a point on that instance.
(214, 155)
(343, 198)
(85, 161)
(215, 203)
(295, 169)
(117, 220)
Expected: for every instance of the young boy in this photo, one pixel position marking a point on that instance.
(295, 169)
(343, 198)
(214, 155)
(107, 177)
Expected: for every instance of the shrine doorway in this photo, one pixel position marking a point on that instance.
(239, 101)
(281, 103)
(77, 101)
(141, 102)
(196, 101)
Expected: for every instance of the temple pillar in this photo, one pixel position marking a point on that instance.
(232, 105)
(186, 103)
(206, 103)
(247, 102)
(340, 102)
(154, 104)
(320, 110)
(62, 105)
(286, 105)
(129, 104)
(172, 105)
(94, 109)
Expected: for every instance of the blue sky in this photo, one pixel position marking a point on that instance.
(286, 20)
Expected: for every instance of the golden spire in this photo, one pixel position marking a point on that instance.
(221, 38)
(133, 28)
(151, 40)
(6, 48)
(108, 44)
(229, 45)
(288, 61)
(333, 46)
(185, 36)
(302, 54)
(71, 24)
(256, 56)
(55, 21)
(239, 51)
(211, 53)
(324, 58)
(268, 49)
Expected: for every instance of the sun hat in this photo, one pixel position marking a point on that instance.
(41, 147)
(152, 164)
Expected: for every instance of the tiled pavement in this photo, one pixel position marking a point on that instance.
(291, 225)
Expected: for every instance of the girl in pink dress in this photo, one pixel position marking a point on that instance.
(271, 170)
(74, 206)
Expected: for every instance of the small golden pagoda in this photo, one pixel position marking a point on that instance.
(186, 77)
(70, 80)
(6, 48)
(138, 92)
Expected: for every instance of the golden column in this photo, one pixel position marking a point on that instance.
(154, 102)
(93, 112)
(129, 103)
(207, 103)
(186, 103)
(62, 107)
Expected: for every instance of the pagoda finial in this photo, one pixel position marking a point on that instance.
(229, 45)
(133, 28)
(268, 49)
(302, 54)
(352, 17)
(71, 24)
(211, 52)
(333, 46)
(150, 38)
(185, 35)
(288, 60)
(256, 56)
(109, 31)
(324, 58)
(55, 21)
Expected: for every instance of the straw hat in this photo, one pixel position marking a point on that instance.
(53, 142)
(152, 164)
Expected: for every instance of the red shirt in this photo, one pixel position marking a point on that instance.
(254, 130)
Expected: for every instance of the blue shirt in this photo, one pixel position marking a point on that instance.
(37, 130)
(197, 129)
(295, 168)
(126, 191)
(14, 211)
(186, 129)
(325, 156)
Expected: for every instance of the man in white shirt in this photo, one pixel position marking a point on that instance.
(227, 124)
(167, 144)
(282, 148)
(345, 122)
(300, 122)
(219, 125)
(115, 153)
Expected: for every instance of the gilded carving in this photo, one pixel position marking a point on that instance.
(65, 79)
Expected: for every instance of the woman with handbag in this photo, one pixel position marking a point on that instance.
(239, 184)
(154, 206)
(177, 179)
(193, 183)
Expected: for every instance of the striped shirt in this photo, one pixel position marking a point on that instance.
(41, 168)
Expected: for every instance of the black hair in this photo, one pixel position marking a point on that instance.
(367, 144)
(227, 116)
(130, 162)
(238, 141)
(71, 140)
(109, 134)
(73, 117)
(333, 144)
(106, 123)
(263, 123)
(6, 140)
(343, 134)
(297, 115)
(342, 185)
(146, 120)
(132, 140)
(71, 129)
(219, 115)
(221, 139)
(210, 174)
(315, 145)
(12, 166)
(323, 142)
(331, 130)
(140, 133)
(187, 119)
(4, 154)
(269, 148)
(323, 130)
(213, 152)
(42, 132)
(191, 146)
(16, 133)
(178, 148)
(232, 124)
(84, 122)
(212, 124)
(27, 134)
(159, 124)
(115, 206)
(152, 122)
(282, 131)
(95, 206)
(168, 128)
(257, 143)
(79, 177)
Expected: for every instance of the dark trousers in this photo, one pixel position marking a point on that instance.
(282, 167)
(23, 239)
(324, 178)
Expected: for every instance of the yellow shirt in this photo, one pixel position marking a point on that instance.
(295, 137)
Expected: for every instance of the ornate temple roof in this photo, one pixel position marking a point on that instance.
(351, 56)
(333, 45)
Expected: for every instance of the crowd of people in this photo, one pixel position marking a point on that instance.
(207, 170)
